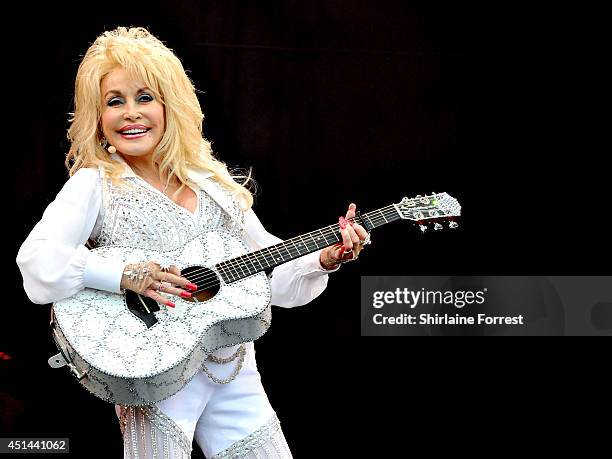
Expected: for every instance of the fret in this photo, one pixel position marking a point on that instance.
(314, 242)
(278, 251)
(235, 272)
(239, 265)
(247, 257)
(229, 275)
(296, 247)
(371, 224)
(383, 216)
(287, 248)
(221, 268)
(321, 244)
(318, 242)
(257, 258)
(305, 244)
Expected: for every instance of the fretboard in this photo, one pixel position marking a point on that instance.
(290, 249)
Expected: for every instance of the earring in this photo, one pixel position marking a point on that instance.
(104, 145)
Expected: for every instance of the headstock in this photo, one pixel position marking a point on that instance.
(435, 208)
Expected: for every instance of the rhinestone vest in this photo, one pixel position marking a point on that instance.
(141, 216)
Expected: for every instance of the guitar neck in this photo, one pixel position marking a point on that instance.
(286, 251)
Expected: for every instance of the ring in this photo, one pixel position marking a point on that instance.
(366, 241)
(159, 287)
(346, 260)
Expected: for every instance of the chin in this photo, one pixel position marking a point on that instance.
(132, 150)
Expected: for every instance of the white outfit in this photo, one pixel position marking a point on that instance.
(227, 420)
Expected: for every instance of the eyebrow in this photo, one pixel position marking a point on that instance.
(116, 91)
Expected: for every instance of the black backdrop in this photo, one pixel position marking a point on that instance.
(331, 103)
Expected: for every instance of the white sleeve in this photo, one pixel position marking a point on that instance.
(295, 283)
(53, 260)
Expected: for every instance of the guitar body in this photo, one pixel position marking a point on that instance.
(126, 349)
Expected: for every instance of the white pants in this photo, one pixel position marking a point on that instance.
(227, 420)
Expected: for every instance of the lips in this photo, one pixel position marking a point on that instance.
(129, 127)
(134, 131)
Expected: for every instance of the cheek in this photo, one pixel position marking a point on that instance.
(107, 122)
(160, 117)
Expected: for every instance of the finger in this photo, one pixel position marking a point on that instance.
(350, 213)
(158, 298)
(174, 270)
(346, 239)
(177, 280)
(352, 234)
(173, 290)
(360, 230)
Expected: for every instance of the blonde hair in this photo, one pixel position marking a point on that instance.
(145, 58)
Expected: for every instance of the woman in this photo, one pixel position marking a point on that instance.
(142, 176)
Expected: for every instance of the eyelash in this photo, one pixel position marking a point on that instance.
(111, 102)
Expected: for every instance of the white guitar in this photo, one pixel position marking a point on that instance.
(127, 350)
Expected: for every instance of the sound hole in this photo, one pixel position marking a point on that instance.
(207, 281)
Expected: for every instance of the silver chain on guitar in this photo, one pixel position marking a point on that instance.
(241, 353)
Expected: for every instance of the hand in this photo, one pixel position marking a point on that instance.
(353, 238)
(148, 278)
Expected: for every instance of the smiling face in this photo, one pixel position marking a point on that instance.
(132, 118)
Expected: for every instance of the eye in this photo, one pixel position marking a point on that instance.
(145, 98)
(114, 101)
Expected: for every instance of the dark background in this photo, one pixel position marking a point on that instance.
(331, 103)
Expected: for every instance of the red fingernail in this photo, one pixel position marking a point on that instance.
(170, 303)
(191, 286)
(186, 294)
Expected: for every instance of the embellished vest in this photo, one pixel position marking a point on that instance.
(140, 216)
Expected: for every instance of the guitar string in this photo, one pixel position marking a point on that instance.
(331, 230)
(229, 267)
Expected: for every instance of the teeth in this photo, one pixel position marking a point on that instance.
(134, 131)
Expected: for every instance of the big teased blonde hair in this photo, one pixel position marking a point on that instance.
(145, 58)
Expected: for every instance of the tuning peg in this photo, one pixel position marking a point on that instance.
(453, 224)
(423, 228)
(437, 226)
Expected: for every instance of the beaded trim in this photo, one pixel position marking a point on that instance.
(257, 439)
(134, 435)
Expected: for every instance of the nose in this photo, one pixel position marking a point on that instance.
(131, 112)
(131, 115)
